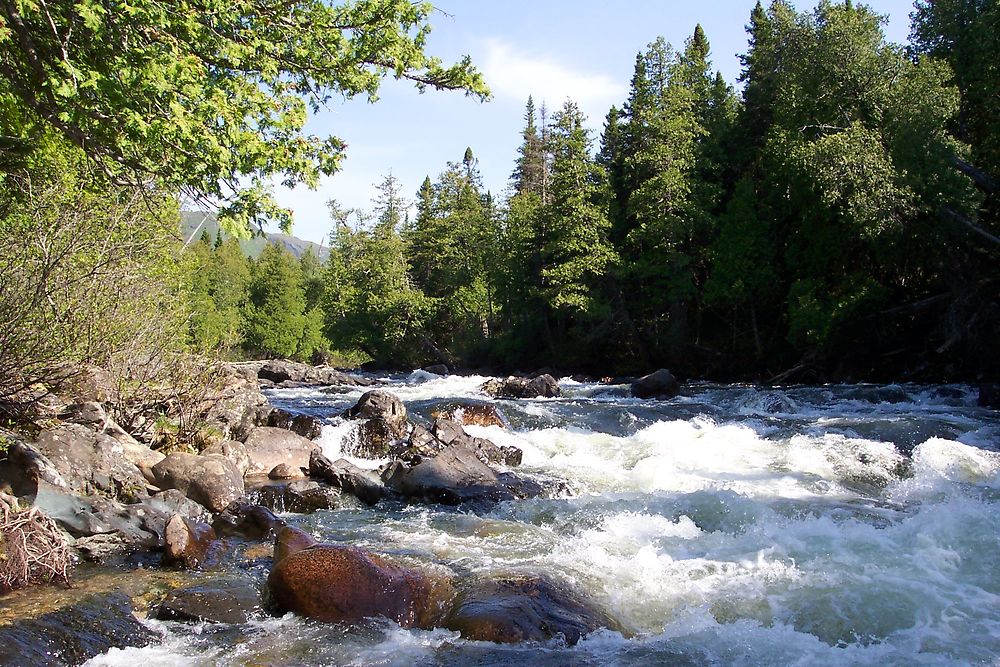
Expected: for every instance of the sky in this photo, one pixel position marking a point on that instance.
(551, 49)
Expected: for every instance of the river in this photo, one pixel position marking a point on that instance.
(731, 525)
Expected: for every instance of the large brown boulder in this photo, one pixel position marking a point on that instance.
(92, 463)
(658, 384)
(268, 447)
(337, 584)
(525, 608)
(211, 480)
(471, 414)
(188, 543)
(384, 428)
(543, 385)
(232, 601)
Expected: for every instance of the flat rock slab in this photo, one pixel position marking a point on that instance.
(215, 601)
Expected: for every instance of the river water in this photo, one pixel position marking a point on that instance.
(731, 525)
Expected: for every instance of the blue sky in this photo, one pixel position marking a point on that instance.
(582, 49)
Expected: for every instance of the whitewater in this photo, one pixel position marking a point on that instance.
(731, 525)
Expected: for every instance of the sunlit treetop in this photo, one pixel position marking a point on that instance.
(208, 97)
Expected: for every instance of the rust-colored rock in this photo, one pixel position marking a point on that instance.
(188, 543)
(471, 414)
(337, 583)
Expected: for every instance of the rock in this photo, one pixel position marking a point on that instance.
(288, 372)
(658, 384)
(188, 543)
(91, 463)
(268, 447)
(452, 477)
(363, 484)
(519, 609)
(302, 496)
(284, 471)
(211, 480)
(305, 425)
(74, 634)
(422, 444)
(173, 501)
(376, 439)
(233, 450)
(134, 526)
(25, 466)
(437, 369)
(215, 601)
(471, 414)
(543, 385)
(235, 405)
(452, 433)
(336, 584)
(247, 520)
(989, 395)
(378, 403)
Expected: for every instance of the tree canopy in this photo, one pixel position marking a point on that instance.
(209, 97)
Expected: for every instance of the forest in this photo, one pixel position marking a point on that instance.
(835, 216)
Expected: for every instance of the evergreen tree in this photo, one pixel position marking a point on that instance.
(276, 319)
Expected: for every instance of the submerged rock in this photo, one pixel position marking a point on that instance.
(247, 520)
(543, 385)
(74, 634)
(216, 601)
(525, 608)
(302, 496)
(335, 583)
(658, 384)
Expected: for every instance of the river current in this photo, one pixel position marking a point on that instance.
(731, 525)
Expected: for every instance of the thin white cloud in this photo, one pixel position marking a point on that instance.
(516, 74)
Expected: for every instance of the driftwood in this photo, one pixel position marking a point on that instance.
(32, 547)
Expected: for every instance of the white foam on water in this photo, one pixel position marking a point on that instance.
(335, 441)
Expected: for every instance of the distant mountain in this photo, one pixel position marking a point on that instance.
(194, 223)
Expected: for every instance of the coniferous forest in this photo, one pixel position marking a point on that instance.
(834, 215)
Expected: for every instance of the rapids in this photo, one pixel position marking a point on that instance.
(732, 525)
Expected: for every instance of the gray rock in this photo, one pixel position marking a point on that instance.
(211, 480)
(268, 447)
(516, 387)
(378, 403)
(452, 477)
(658, 384)
(284, 471)
(91, 462)
(286, 372)
(230, 601)
(247, 520)
(26, 466)
(363, 484)
(305, 425)
(233, 450)
(437, 369)
(173, 501)
(302, 496)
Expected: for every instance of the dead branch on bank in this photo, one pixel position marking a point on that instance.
(32, 547)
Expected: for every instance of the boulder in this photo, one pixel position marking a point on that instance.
(544, 386)
(658, 384)
(437, 369)
(91, 462)
(74, 634)
(25, 466)
(378, 403)
(471, 414)
(172, 501)
(335, 583)
(235, 406)
(211, 480)
(305, 425)
(233, 450)
(284, 471)
(188, 543)
(287, 373)
(452, 477)
(521, 608)
(232, 601)
(247, 520)
(989, 395)
(268, 447)
(365, 485)
(452, 433)
(302, 496)
(376, 438)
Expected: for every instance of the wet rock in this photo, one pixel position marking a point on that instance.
(518, 609)
(376, 439)
(380, 436)
(342, 474)
(25, 466)
(188, 543)
(247, 520)
(452, 477)
(336, 583)
(658, 384)
(989, 395)
(230, 601)
(452, 433)
(543, 385)
(301, 496)
(74, 634)
(471, 414)
(437, 369)
(211, 480)
(284, 471)
(233, 450)
(422, 444)
(133, 526)
(378, 403)
(304, 425)
(268, 447)
(91, 463)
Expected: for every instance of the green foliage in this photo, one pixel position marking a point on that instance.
(277, 323)
(211, 98)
